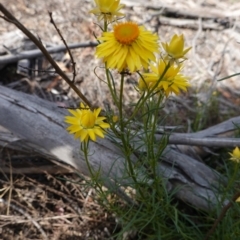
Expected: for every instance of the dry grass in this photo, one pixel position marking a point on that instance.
(45, 206)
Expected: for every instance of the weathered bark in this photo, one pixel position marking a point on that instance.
(38, 125)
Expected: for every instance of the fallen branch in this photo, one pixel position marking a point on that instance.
(38, 125)
(37, 53)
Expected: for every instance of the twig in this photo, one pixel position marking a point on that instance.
(222, 214)
(64, 42)
(11, 184)
(10, 18)
(87, 198)
(37, 53)
(42, 219)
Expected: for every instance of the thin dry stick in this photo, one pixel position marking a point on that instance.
(42, 219)
(221, 216)
(86, 199)
(8, 188)
(64, 42)
(11, 185)
(10, 18)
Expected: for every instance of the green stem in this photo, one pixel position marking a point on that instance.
(111, 88)
(121, 103)
(84, 148)
(233, 75)
(125, 142)
(153, 130)
(146, 97)
(233, 177)
(105, 26)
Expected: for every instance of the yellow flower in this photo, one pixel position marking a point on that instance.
(175, 49)
(86, 123)
(128, 47)
(115, 118)
(167, 76)
(235, 155)
(107, 9)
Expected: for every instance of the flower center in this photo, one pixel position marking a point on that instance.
(88, 119)
(105, 10)
(126, 33)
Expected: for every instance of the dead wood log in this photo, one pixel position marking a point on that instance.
(38, 126)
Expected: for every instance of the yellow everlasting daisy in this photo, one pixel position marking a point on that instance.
(128, 47)
(175, 49)
(235, 155)
(167, 78)
(107, 9)
(86, 123)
